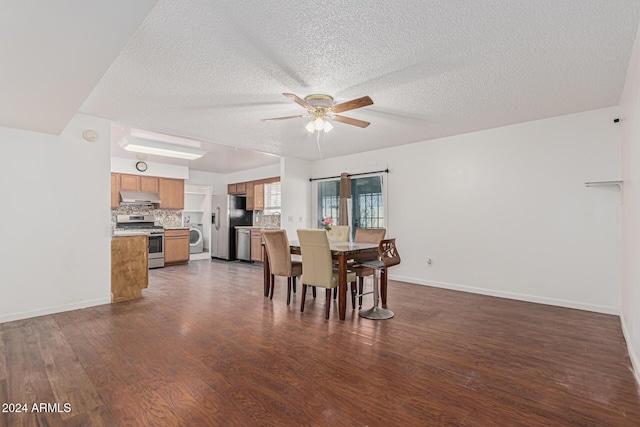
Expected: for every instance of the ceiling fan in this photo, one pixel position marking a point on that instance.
(322, 111)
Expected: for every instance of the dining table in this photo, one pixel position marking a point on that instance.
(342, 252)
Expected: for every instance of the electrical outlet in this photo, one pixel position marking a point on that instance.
(429, 262)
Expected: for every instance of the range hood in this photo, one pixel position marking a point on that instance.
(139, 198)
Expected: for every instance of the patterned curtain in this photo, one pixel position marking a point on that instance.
(345, 195)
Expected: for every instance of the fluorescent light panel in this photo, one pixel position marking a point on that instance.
(147, 146)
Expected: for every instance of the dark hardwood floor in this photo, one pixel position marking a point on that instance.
(204, 347)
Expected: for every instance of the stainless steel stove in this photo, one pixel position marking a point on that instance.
(144, 224)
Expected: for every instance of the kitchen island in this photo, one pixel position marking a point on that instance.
(129, 266)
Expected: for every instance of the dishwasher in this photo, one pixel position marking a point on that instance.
(243, 244)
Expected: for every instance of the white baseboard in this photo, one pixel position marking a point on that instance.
(635, 363)
(51, 310)
(512, 295)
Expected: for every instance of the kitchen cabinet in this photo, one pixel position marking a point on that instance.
(171, 190)
(250, 196)
(176, 246)
(237, 188)
(129, 182)
(115, 190)
(171, 193)
(149, 184)
(256, 245)
(258, 191)
(129, 267)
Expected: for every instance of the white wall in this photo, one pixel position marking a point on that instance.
(505, 211)
(217, 181)
(296, 195)
(630, 131)
(128, 166)
(55, 253)
(254, 174)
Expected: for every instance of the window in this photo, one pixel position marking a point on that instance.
(367, 202)
(272, 198)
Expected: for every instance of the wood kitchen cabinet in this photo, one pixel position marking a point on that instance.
(176, 246)
(258, 202)
(171, 190)
(250, 195)
(129, 267)
(171, 193)
(115, 190)
(256, 245)
(150, 184)
(129, 182)
(237, 188)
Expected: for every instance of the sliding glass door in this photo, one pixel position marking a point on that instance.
(367, 202)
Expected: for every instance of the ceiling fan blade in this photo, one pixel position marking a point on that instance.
(284, 118)
(350, 121)
(298, 100)
(352, 105)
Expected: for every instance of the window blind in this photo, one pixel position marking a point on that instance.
(272, 196)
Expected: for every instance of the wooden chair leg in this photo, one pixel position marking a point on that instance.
(288, 290)
(294, 284)
(328, 303)
(335, 293)
(304, 294)
(313, 290)
(360, 289)
(273, 279)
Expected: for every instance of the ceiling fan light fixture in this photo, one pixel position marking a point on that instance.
(318, 122)
(310, 127)
(327, 126)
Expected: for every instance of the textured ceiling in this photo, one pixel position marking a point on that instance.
(210, 70)
(54, 53)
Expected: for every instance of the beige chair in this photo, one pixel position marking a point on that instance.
(387, 257)
(280, 264)
(368, 235)
(339, 233)
(317, 265)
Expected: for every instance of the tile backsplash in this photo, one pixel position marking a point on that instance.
(266, 221)
(165, 217)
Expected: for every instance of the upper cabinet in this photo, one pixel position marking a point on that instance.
(150, 184)
(250, 195)
(258, 192)
(129, 182)
(115, 190)
(171, 190)
(171, 193)
(254, 191)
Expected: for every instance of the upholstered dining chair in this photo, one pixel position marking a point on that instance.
(317, 265)
(387, 257)
(339, 233)
(368, 235)
(280, 263)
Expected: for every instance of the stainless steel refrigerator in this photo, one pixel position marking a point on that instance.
(227, 212)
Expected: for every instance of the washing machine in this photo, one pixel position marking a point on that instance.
(196, 239)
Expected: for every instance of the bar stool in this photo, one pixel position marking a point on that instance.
(387, 257)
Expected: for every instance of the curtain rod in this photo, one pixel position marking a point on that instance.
(350, 174)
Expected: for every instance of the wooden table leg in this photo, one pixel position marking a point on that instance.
(342, 286)
(383, 287)
(267, 271)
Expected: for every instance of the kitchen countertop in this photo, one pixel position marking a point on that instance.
(257, 228)
(124, 233)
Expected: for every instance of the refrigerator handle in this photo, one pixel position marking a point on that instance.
(217, 223)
